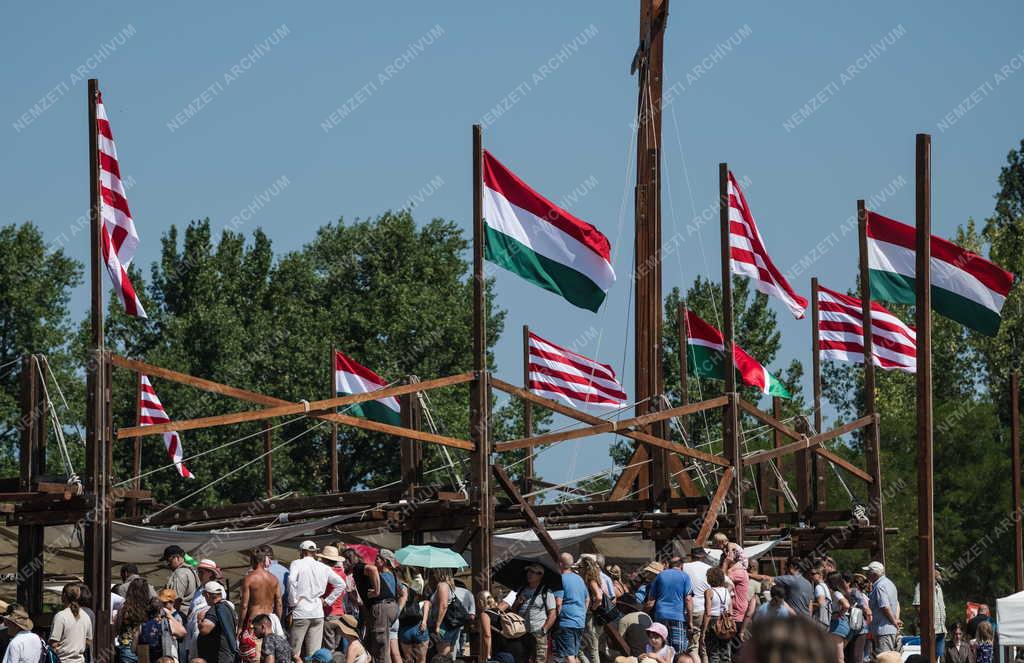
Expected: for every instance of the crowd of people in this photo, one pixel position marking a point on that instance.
(332, 606)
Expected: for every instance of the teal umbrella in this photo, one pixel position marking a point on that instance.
(430, 557)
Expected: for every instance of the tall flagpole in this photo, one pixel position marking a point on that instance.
(925, 486)
(1018, 527)
(527, 481)
(730, 439)
(816, 354)
(332, 392)
(872, 450)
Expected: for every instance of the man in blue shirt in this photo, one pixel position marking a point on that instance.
(572, 613)
(885, 610)
(670, 596)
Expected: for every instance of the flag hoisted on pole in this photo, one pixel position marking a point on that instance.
(841, 333)
(563, 375)
(351, 377)
(151, 411)
(965, 287)
(530, 236)
(705, 356)
(748, 256)
(119, 236)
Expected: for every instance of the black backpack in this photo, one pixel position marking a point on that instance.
(412, 613)
(48, 654)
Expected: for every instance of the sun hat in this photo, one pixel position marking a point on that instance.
(308, 546)
(210, 565)
(331, 553)
(167, 594)
(348, 626)
(658, 629)
(19, 617)
(653, 567)
(388, 556)
(876, 567)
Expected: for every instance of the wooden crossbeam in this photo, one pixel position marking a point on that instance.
(808, 442)
(538, 527)
(628, 475)
(766, 418)
(585, 417)
(716, 503)
(153, 370)
(627, 425)
(845, 464)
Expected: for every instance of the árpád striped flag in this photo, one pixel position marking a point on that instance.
(748, 257)
(118, 229)
(351, 377)
(841, 333)
(706, 354)
(530, 236)
(563, 375)
(152, 412)
(965, 287)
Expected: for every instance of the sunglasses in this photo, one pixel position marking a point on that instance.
(534, 571)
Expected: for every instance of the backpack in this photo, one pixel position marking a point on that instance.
(412, 613)
(48, 654)
(511, 625)
(456, 615)
(725, 627)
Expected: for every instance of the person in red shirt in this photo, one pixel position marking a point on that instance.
(734, 564)
(330, 556)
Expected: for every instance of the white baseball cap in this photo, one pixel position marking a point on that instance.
(214, 587)
(308, 545)
(876, 568)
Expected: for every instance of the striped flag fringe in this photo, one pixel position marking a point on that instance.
(749, 258)
(119, 238)
(563, 375)
(152, 412)
(841, 333)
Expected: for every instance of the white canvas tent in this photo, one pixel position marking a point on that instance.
(1010, 617)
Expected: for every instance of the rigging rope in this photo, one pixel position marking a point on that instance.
(58, 429)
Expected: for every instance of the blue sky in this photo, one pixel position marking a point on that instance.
(816, 103)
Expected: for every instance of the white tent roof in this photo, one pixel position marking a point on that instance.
(1010, 614)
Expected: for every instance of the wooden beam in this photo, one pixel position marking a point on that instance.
(629, 475)
(464, 538)
(319, 409)
(682, 477)
(535, 523)
(585, 417)
(845, 464)
(769, 420)
(807, 443)
(628, 425)
(716, 503)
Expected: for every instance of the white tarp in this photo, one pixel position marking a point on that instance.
(1010, 615)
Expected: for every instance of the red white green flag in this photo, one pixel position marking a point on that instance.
(705, 356)
(965, 287)
(530, 236)
(351, 377)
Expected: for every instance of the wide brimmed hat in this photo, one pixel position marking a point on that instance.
(167, 594)
(658, 629)
(210, 565)
(19, 617)
(654, 567)
(349, 626)
(331, 553)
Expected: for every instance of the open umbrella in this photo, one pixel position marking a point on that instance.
(512, 573)
(367, 553)
(430, 557)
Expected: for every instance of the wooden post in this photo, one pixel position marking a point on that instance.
(780, 498)
(527, 479)
(647, 227)
(1018, 530)
(480, 457)
(332, 391)
(872, 437)
(98, 437)
(411, 459)
(33, 464)
(137, 446)
(730, 428)
(684, 368)
(817, 466)
(925, 487)
(268, 460)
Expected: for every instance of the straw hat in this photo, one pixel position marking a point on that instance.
(210, 565)
(167, 594)
(331, 553)
(19, 617)
(654, 567)
(348, 625)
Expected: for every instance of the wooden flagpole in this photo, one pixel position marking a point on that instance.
(1018, 527)
(479, 407)
(333, 390)
(137, 446)
(97, 438)
(730, 424)
(527, 480)
(818, 485)
(872, 438)
(780, 498)
(925, 486)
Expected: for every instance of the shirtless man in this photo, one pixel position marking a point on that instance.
(261, 593)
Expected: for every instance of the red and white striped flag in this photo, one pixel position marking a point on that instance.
(119, 236)
(561, 374)
(749, 258)
(841, 333)
(152, 412)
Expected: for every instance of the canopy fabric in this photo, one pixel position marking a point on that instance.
(1010, 615)
(752, 552)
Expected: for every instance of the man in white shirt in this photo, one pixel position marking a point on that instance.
(25, 646)
(697, 569)
(307, 583)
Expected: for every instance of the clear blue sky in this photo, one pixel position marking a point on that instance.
(881, 72)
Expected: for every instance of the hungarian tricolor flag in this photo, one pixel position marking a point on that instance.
(351, 377)
(530, 236)
(965, 287)
(706, 354)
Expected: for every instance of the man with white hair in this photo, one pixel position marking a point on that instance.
(885, 610)
(307, 583)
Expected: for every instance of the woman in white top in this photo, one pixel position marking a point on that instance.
(71, 634)
(716, 602)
